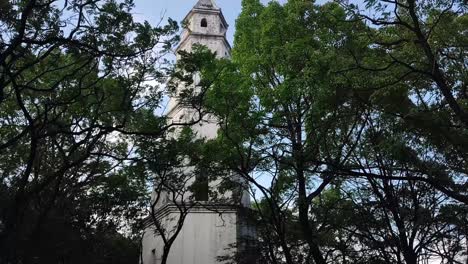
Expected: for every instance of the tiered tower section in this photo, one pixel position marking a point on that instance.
(211, 229)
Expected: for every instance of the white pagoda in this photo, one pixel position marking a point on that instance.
(211, 230)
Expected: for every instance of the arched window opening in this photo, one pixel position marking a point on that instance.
(204, 23)
(201, 187)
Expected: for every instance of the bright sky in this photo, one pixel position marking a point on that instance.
(153, 10)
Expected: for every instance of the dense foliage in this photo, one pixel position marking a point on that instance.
(348, 122)
(76, 86)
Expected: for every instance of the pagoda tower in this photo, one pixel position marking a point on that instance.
(212, 229)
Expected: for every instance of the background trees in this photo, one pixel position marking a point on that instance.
(424, 69)
(340, 119)
(347, 123)
(74, 86)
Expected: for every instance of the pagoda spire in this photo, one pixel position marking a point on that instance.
(206, 4)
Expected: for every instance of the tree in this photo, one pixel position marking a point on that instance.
(73, 85)
(417, 60)
(330, 121)
(284, 115)
(175, 170)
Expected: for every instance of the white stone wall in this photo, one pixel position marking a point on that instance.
(213, 44)
(213, 36)
(205, 237)
(214, 24)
